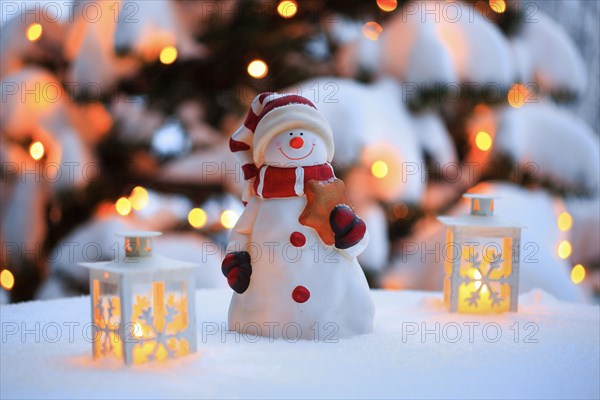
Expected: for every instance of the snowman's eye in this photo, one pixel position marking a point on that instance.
(291, 133)
(301, 134)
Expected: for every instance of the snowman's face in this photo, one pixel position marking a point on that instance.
(296, 148)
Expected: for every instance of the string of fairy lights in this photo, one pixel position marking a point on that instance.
(482, 137)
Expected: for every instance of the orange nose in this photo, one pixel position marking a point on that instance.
(296, 143)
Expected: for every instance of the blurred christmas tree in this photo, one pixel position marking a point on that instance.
(117, 115)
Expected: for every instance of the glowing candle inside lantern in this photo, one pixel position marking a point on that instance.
(481, 268)
(146, 299)
(138, 330)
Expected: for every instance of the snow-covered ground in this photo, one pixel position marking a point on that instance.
(550, 349)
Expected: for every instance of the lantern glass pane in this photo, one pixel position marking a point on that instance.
(485, 265)
(159, 317)
(106, 307)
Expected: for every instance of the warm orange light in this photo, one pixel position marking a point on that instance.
(287, 8)
(401, 211)
(564, 249)
(138, 331)
(499, 6)
(7, 279)
(387, 5)
(372, 30)
(197, 218)
(379, 169)
(168, 55)
(258, 69)
(577, 274)
(483, 141)
(164, 303)
(517, 95)
(477, 276)
(565, 221)
(229, 218)
(34, 32)
(123, 206)
(36, 150)
(138, 198)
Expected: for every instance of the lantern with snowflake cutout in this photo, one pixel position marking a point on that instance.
(481, 273)
(143, 304)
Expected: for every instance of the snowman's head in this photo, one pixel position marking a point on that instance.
(295, 148)
(284, 130)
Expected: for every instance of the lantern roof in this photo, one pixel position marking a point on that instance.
(137, 256)
(481, 215)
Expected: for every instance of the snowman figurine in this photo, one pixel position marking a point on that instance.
(291, 259)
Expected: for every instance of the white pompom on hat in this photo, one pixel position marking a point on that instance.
(270, 114)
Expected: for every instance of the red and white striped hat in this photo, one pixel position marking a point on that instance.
(272, 113)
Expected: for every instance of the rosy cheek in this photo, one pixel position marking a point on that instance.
(278, 143)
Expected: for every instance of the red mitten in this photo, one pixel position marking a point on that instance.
(237, 268)
(346, 226)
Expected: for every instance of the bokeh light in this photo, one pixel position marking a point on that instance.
(483, 141)
(379, 169)
(138, 198)
(36, 150)
(258, 69)
(498, 6)
(517, 95)
(387, 5)
(229, 218)
(565, 221)
(34, 32)
(168, 55)
(564, 249)
(577, 274)
(197, 218)
(401, 211)
(123, 206)
(287, 8)
(7, 279)
(372, 30)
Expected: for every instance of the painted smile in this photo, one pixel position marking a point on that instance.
(298, 158)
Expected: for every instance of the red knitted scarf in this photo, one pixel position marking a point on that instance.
(274, 182)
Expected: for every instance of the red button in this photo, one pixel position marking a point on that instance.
(297, 239)
(300, 294)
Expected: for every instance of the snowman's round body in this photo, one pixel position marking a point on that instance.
(289, 264)
(291, 259)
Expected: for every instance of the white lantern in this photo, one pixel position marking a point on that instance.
(482, 260)
(143, 305)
